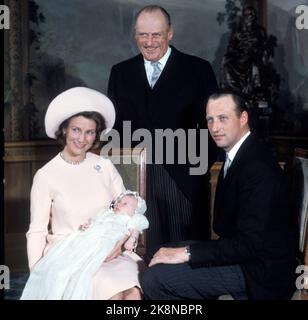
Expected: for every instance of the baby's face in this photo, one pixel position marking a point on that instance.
(127, 204)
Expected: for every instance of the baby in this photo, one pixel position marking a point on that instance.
(125, 204)
(65, 272)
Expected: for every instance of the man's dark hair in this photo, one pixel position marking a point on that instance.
(240, 102)
(152, 8)
(92, 115)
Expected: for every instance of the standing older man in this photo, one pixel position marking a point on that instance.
(255, 254)
(158, 89)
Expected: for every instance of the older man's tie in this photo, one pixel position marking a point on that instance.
(156, 72)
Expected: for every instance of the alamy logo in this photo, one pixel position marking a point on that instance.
(4, 17)
(301, 21)
(170, 147)
(4, 277)
(302, 280)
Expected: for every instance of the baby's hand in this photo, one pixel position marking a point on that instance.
(85, 226)
(131, 244)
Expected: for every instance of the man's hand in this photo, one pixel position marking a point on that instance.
(117, 250)
(170, 256)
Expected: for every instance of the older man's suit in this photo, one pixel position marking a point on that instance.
(176, 101)
(256, 225)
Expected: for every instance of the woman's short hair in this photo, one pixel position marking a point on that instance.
(92, 115)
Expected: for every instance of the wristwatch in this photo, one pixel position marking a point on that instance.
(187, 251)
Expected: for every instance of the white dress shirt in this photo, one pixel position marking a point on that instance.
(162, 62)
(232, 153)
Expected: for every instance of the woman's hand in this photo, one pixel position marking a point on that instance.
(117, 250)
(131, 243)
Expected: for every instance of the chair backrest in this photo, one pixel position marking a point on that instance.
(131, 164)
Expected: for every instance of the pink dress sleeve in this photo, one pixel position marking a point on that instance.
(116, 183)
(40, 215)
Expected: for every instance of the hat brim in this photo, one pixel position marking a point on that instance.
(74, 101)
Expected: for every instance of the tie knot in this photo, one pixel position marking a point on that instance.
(227, 158)
(228, 161)
(155, 64)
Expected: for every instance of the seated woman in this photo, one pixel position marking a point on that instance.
(65, 272)
(76, 184)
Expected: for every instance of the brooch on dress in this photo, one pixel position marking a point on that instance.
(97, 167)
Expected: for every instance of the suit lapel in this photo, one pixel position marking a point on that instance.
(139, 89)
(239, 158)
(223, 183)
(139, 73)
(219, 190)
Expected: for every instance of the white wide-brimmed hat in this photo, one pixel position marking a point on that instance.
(76, 100)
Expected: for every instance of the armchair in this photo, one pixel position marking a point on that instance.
(131, 164)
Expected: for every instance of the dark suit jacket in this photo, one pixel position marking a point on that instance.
(256, 226)
(176, 101)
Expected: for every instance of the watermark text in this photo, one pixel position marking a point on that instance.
(4, 17)
(4, 277)
(180, 146)
(301, 21)
(302, 280)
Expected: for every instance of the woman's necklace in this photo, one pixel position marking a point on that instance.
(70, 161)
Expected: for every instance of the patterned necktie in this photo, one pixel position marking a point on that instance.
(156, 72)
(227, 165)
